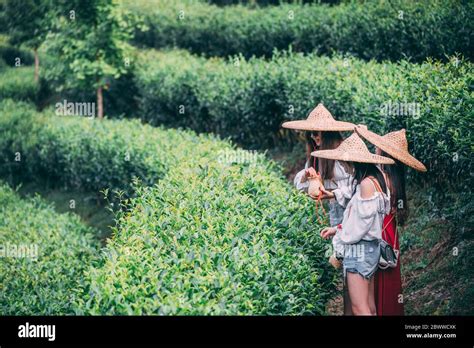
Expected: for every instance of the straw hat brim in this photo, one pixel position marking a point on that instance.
(333, 126)
(391, 149)
(349, 156)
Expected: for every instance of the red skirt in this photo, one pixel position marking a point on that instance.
(388, 282)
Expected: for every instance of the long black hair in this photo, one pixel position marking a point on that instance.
(310, 147)
(329, 141)
(364, 170)
(398, 196)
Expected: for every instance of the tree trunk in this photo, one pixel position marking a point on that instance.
(100, 103)
(37, 63)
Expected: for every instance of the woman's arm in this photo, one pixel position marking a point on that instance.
(338, 247)
(300, 181)
(345, 189)
(342, 193)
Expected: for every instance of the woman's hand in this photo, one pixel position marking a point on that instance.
(326, 194)
(328, 232)
(310, 172)
(335, 262)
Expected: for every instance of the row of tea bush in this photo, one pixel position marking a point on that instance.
(219, 232)
(366, 29)
(213, 238)
(18, 83)
(247, 100)
(78, 153)
(44, 256)
(14, 56)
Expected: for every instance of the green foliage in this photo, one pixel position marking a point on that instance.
(257, 3)
(119, 98)
(49, 284)
(91, 207)
(217, 238)
(27, 21)
(3, 21)
(248, 100)
(75, 152)
(368, 30)
(437, 257)
(215, 235)
(9, 53)
(18, 84)
(89, 44)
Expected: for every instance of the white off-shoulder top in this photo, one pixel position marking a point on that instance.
(363, 220)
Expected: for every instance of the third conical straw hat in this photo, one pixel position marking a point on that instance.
(395, 144)
(353, 149)
(319, 119)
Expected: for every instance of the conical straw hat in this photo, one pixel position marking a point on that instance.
(395, 144)
(353, 149)
(320, 119)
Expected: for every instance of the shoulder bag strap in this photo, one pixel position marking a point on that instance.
(384, 226)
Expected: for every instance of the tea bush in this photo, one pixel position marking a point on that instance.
(213, 238)
(369, 30)
(60, 250)
(75, 152)
(18, 83)
(216, 235)
(10, 54)
(247, 100)
(257, 3)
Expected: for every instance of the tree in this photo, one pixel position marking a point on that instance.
(89, 42)
(27, 22)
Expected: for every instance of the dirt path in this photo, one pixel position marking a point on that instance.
(335, 306)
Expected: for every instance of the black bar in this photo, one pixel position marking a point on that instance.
(242, 330)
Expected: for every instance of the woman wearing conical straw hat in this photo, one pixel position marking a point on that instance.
(388, 284)
(323, 132)
(357, 239)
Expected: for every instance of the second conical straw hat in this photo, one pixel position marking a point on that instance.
(395, 144)
(319, 119)
(353, 149)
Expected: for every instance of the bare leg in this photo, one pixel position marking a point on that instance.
(373, 308)
(359, 293)
(347, 301)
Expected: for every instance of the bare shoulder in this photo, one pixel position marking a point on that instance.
(367, 188)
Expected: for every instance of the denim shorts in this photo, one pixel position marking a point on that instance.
(362, 258)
